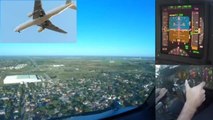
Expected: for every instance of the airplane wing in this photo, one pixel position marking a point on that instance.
(38, 10)
(48, 25)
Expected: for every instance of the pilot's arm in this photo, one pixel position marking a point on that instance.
(195, 96)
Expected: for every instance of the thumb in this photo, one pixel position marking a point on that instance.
(202, 84)
(187, 85)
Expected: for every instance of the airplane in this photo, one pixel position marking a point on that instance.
(41, 19)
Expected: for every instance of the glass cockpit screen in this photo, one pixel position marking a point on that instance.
(183, 30)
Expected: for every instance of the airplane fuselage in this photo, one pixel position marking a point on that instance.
(44, 18)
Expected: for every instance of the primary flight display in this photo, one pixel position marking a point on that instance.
(182, 30)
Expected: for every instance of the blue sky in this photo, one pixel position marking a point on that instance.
(104, 28)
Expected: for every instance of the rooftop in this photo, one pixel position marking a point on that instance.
(18, 79)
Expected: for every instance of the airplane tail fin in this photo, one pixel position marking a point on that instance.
(72, 6)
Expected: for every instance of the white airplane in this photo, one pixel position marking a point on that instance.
(41, 19)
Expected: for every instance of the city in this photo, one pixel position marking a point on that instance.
(72, 85)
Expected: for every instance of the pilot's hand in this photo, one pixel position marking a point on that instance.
(161, 93)
(195, 96)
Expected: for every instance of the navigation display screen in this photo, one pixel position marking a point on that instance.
(183, 30)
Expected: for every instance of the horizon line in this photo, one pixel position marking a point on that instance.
(76, 56)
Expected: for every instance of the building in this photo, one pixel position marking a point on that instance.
(19, 79)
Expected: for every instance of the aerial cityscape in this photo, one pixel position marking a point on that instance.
(54, 87)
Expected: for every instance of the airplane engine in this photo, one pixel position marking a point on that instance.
(72, 6)
(30, 15)
(40, 29)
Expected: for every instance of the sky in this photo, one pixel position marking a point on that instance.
(104, 28)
